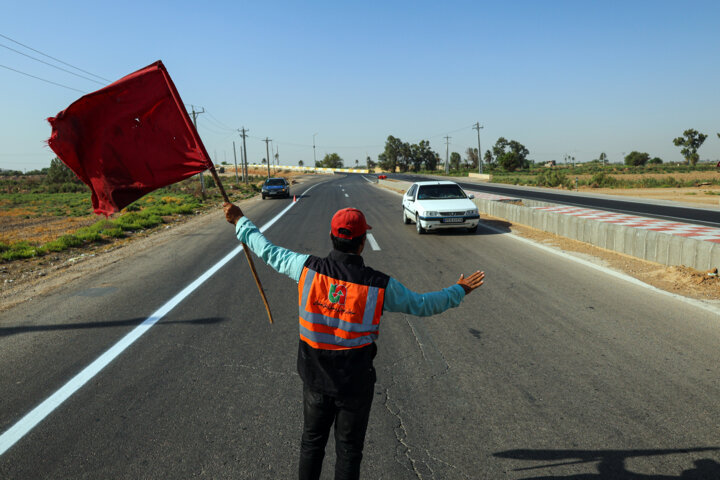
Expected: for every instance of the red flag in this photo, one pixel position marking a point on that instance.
(129, 138)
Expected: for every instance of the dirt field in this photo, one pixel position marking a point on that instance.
(22, 280)
(678, 176)
(705, 196)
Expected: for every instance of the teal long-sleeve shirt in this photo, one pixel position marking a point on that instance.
(398, 298)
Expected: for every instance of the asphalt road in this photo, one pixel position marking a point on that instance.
(662, 210)
(552, 369)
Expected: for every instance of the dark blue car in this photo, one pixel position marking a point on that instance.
(276, 187)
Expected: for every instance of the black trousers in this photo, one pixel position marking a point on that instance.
(350, 416)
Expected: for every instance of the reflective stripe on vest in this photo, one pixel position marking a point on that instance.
(336, 314)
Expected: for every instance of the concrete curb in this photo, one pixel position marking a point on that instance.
(645, 244)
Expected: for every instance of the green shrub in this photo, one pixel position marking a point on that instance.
(552, 178)
(115, 232)
(603, 180)
(88, 236)
(19, 250)
(63, 243)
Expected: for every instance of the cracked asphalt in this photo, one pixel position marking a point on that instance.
(550, 370)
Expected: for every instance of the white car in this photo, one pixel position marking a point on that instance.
(439, 204)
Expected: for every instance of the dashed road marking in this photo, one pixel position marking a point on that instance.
(373, 242)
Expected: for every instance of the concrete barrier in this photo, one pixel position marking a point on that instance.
(645, 244)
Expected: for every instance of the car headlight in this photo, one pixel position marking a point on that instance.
(432, 214)
(472, 212)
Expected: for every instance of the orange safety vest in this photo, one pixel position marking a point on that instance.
(338, 314)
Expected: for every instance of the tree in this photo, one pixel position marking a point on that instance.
(603, 158)
(60, 173)
(690, 141)
(357, 163)
(420, 156)
(656, 161)
(370, 164)
(264, 161)
(331, 160)
(383, 162)
(472, 157)
(637, 159)
(393, 150)
(488, 158)
(301, 163)
(455, 161)
(404, 159)
(510, 155)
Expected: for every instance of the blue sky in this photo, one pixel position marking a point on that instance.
(576, 77)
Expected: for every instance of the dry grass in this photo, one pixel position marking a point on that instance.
(40, 229)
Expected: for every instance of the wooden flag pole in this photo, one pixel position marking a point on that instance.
(245, 249)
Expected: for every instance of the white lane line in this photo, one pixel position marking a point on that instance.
(622, 276)
(347, 195)
(372, 241)
(38, 414)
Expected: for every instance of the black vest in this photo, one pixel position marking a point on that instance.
(341, 373)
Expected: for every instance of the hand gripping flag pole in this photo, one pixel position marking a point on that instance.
(245, 248)
(130, 138)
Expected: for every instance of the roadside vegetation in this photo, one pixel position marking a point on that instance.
(507, 162)
(40, 197)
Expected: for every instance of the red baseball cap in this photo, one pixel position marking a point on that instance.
(349, 223)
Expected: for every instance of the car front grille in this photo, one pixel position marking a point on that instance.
(452, 214)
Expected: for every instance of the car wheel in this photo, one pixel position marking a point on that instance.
(406, 220)
(472, 229)
(418, 227)
(263, 196)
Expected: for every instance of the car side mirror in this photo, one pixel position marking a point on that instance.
(471, 196)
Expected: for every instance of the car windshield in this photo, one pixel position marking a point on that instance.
(440, 192)
(275, 181)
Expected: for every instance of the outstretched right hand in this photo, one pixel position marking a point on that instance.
(472, 282)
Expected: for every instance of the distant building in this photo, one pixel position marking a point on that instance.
(550, 164)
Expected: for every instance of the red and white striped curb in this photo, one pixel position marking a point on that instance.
(688, 230)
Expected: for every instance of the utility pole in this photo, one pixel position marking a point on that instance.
(244, 155)
(194, 117)
(447, 152)
(267, 152)
(237, 180)
(478, 127)
(314, 157)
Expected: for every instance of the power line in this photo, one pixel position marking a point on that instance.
(57, 60)
(219, 123)
(454, 131)
(216, 132)
(50, 64)
(44, 80)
